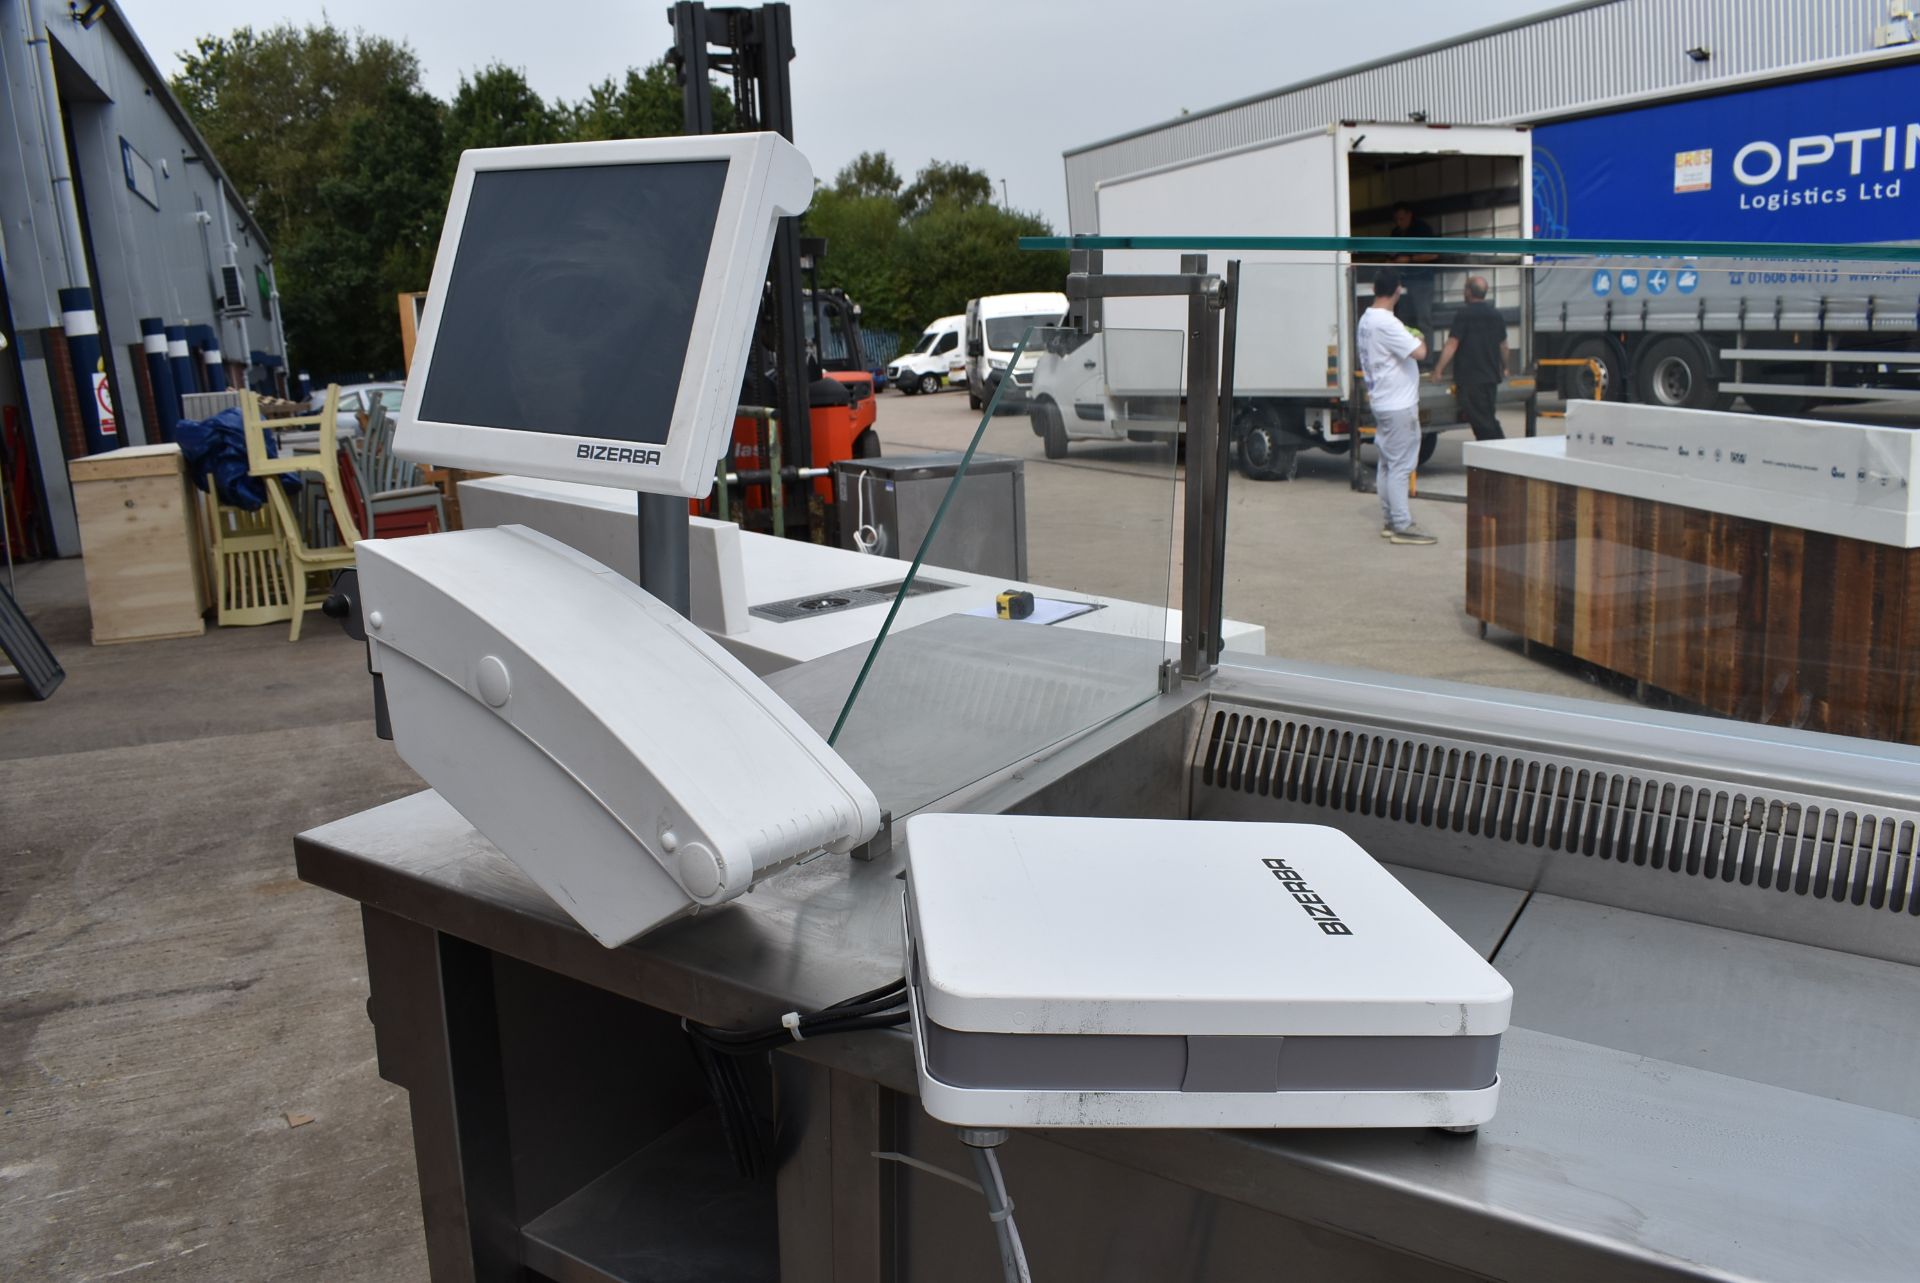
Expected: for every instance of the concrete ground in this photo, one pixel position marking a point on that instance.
(170, 994)
(1304, 557)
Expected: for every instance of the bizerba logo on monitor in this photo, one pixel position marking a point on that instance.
(641, 455)
(1812, 169)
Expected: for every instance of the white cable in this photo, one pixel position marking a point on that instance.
(1013, 1254)
(894, 1156)
(865, 537)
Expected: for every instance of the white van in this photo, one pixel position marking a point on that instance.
(935, 361)
(995, 326)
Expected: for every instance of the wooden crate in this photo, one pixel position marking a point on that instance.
(139, 536)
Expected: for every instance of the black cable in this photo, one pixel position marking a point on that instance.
(881, 1008)
(860, 1009)
(754, 1042)
(747, 1135)
(892, 986)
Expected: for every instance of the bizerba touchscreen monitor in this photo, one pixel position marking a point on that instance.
(592, 305)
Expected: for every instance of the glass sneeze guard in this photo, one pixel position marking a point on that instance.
(943, 698)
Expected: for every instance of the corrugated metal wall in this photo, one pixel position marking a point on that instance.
(1569, 59)
(152, 256)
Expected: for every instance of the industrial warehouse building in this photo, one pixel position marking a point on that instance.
(130, 271)
(1573, 60)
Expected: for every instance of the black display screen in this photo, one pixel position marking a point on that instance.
(570, 304)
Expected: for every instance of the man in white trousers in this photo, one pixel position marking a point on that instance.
(1388, 353)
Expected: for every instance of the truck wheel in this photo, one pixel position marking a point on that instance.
(867, 445)
(1051, 428)
(929, 383)
(1674, 371)
(1267, 453)
(1429, 442)
(1576, 382)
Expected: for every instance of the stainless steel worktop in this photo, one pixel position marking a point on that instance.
(1678, 1101)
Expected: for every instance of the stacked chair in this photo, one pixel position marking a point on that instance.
(275, 563)
(386, 492)
(303, 560)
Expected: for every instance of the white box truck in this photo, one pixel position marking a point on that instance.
(1296, 385)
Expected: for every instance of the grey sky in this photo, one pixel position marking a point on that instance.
(1004, 87)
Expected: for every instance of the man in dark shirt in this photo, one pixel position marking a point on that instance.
(1416, 270)
(1478, 339)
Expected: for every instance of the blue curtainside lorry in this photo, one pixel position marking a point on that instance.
(1828, 160)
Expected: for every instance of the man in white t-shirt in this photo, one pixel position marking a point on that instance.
(1388, 352)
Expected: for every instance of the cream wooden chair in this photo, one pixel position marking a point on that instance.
(303, 560)
(250, 565)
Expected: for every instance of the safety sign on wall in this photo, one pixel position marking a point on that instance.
(103, 401)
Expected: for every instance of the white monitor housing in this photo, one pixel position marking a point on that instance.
(613, 751)
(1169, 973)
(592, 307)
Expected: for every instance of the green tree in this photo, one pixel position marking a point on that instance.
(911, 256)
(275, 106)
(960, 250)
(341, 156)
(941, 181)
(645, 104)
(498, 108)
(868, 174)
(381, 210)
(861, 233)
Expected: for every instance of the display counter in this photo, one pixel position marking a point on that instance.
(1679, 1101)
(1778, 582)
(776, 578)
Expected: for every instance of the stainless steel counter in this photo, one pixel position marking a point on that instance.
(1760, 1142)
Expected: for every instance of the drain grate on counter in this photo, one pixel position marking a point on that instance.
(839, 599)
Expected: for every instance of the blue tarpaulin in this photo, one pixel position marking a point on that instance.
(217, 448)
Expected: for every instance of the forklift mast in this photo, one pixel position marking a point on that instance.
(753, 48)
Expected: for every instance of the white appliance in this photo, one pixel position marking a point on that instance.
(1163, 973)
(593, 735)
(592, 304)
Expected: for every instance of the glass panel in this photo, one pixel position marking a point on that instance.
(1716, 512)
(1061, 493)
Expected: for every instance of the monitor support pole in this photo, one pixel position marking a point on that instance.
(663, 549)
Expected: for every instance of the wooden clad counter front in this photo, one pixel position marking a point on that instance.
(1759, 621)
(140, 542)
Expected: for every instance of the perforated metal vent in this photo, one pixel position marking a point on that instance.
(1694, 827)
